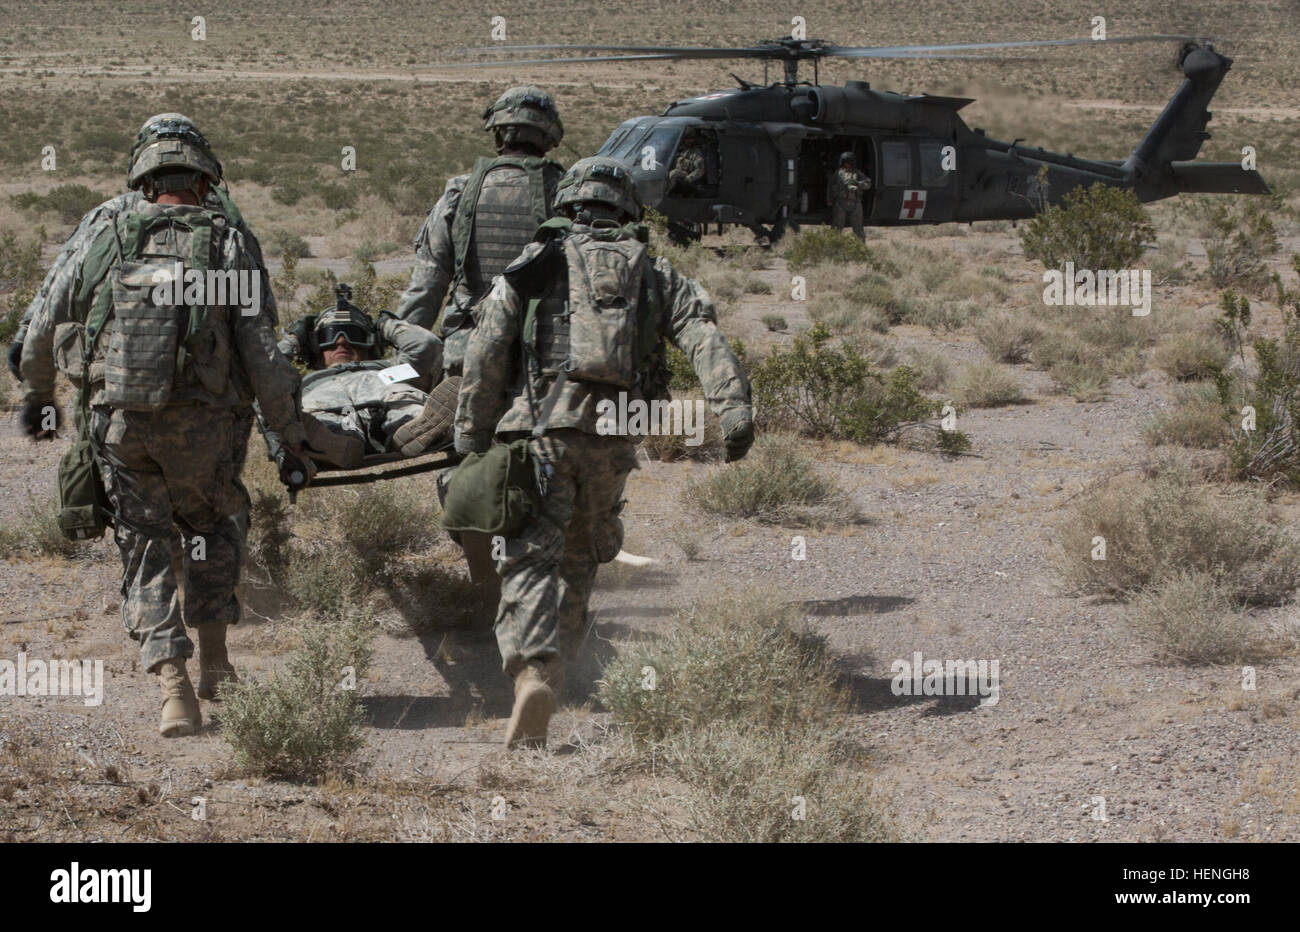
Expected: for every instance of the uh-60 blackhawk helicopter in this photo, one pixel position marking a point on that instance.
(768, 150)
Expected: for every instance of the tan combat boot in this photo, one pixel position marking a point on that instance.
(214, 666)
(535, 701)
(434, 423)
(180, 709)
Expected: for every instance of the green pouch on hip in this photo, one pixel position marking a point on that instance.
(82, 504)
(494, 492)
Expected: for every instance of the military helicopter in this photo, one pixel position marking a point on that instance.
(768, 150)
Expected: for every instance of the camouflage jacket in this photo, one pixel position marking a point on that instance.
(358, 385)
(847, 184)
(690, 163)
(89, 224)
(493, 397)
(257, 369)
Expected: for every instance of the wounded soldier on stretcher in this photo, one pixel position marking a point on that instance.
(357, 404)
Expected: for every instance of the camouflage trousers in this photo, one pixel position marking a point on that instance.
(169, 471)
(548, 570)
(848, 212)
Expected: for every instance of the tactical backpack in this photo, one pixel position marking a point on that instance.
(154, 349)
(602, 336)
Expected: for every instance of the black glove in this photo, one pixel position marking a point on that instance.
(301, 330)
(739, 440)
(14, 359)
(32, 419)
(293, 471)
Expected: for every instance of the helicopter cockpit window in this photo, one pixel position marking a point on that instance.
(896, 164)
(616, 139)
(932, 171)
(662, 141)
(627, 148)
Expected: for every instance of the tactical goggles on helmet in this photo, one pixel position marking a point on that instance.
(355, 334)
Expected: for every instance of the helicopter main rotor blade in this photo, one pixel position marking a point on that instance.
(888, 51)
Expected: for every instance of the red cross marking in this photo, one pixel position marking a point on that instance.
(913, 205)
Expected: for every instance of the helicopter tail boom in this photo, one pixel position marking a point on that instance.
(1161, 164)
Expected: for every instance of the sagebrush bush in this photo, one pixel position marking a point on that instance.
(1191, 355)
(774, 322)
(985, 385)
(1197, 419)
(668, 448)
(1173, 522)
(1097, 227)
(1189, 616)
(747, 710)
(1009, 337)
(35, 531)
(777, 483)
(301, 722)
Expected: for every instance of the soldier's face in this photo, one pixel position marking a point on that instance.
(342, 351)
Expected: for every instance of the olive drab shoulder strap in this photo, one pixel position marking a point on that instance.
(462, 226)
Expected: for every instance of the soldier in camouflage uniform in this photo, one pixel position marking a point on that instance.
(689, 166)
(543, 309)
(483, 221)
(349, 409)
(844, 192)
(68, 346)
(164, 425)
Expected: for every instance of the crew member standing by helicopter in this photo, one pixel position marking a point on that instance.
(844, 193)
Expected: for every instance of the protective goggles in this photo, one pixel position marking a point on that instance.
(354, 334)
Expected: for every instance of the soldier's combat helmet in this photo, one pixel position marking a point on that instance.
(525, 114)
(599, 180)
(170, 144)
(343, 319)
(847, 157)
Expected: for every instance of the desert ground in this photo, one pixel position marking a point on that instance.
(1102, 730)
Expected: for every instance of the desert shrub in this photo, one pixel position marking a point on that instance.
(748, 712)
(931, 367)
(1191, 355)
(301, 722)
(875, 291)
(21, 273)
(823, 244)
(755, 285)
(69, 202)
(841, 314)
(1153, 527)
(834, 391)
(984, 385)
(1197, 419)
(1098, 227)
(1191, 617)
(35, 531)
(1270, 449)
(775, 322)
(1239, 239)
(287, 243)
(778, 483)
(1009, 337)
